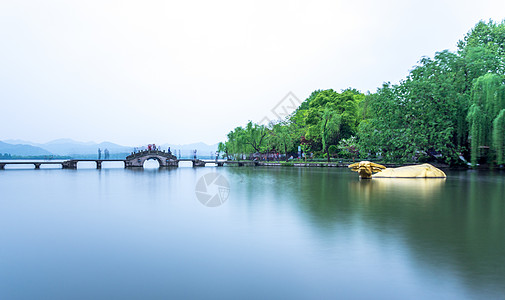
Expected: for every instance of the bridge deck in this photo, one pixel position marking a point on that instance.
(72, 163)
(100, 160)
(31, 162)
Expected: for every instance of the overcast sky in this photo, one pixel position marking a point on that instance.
(137, 72)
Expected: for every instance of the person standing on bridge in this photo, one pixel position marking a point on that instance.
(99, 153)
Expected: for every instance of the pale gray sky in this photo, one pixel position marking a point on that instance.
(136, 72)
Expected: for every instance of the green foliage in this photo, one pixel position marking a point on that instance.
(330, 127)
(321, 120)
(332, 149)
(445, 103)
(221, 148)
(488, 99)
(246, 140)
(282, 137)
(475, 117)
(448, 105)
(349, 147)
(388, 132)
(499, 137)
(484, 45)
(331, 116)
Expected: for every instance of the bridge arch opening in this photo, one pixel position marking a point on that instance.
(152, 163)
(86, 165)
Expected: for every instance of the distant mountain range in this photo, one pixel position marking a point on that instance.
(22, 150)
(69, 147)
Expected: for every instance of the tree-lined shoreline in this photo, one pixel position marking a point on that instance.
(449, 109)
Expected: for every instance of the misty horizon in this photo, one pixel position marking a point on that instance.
(180, 72)
(62, 140)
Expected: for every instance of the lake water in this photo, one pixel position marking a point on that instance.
(283, 233)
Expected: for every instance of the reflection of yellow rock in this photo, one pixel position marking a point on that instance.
(365, 169)
(393, 189)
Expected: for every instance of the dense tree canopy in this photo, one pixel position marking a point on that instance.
(445, 107)
(319, 122)
(449, 108)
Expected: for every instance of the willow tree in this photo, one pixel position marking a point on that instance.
(499, 137)
(256, 136)
(236, 145)
(330, 127)
(477, 119)
(282, 137)
(223, 148)
(488, 99)
(331, 116)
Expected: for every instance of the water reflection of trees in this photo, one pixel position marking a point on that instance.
(316, 193)
(456, 224)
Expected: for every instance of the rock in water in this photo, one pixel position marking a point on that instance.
(416, 171)
(366, 168)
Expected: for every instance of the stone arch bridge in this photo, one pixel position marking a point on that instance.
(137, 159)
(134, 160)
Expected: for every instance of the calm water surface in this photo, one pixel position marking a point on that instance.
(284, 233)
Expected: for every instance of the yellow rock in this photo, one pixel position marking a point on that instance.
(366, 168)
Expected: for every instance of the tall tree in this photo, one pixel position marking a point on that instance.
(499, 137)
(330, 128)
(255, 136)
(282, 137)
(222, 148)
(484, 45)
(488, 99)
(342, 106)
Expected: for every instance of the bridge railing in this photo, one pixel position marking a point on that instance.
(144, 152)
